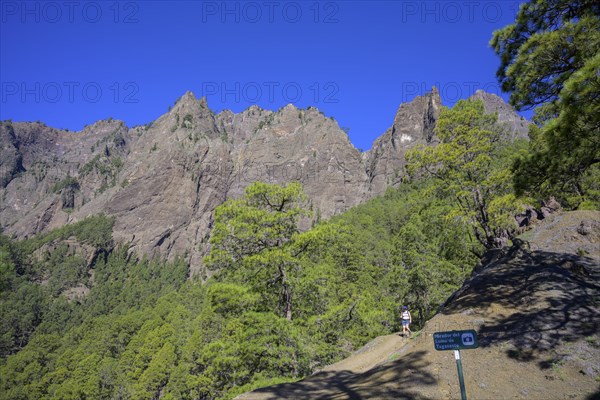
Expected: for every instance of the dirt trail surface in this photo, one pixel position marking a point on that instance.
(535, 308)
(376, 352)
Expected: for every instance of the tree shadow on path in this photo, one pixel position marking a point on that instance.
(399, 379)
(545, 299)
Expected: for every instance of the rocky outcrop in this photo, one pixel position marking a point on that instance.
(162, 181)
(414, 124)
(516, 125)
(302, 145)
(58, 171)
(11, 161)
(526, 219)
(73, 248)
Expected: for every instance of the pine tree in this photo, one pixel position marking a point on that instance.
(465, 166)
(550, 58)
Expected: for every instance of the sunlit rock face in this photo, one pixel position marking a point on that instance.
(163, 181)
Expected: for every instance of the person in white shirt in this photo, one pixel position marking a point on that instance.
(406, 320)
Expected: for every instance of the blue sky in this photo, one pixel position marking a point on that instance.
(69, 64)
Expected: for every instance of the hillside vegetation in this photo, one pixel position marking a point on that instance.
(145, 329)
(83, 317)
(535, 309)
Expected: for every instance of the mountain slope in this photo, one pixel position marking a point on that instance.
(516, 124)
(413, 125)
(163, 181)
(535, 307)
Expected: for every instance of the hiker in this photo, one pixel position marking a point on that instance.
(406, 320)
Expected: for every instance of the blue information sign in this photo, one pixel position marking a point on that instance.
(455, 340)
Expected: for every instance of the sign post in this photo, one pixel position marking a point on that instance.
(461, 380)
(456, 340)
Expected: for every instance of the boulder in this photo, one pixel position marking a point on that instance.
(587, 227)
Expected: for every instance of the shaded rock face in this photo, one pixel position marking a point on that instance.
(48, 161)
(531, 215)
(67, 197)
(163, 181)
(517, 126)
(11, 161)
(414, 124)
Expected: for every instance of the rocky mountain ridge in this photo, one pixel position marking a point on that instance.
(163, 181)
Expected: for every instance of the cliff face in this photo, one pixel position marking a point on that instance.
(414, 124)
(163, 181)
(516, 125)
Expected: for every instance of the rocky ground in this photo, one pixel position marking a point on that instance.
(535, 307)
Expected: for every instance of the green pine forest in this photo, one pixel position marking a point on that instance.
(280, 302)
(146, 328)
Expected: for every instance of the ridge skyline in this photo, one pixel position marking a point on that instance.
(204, 100)
(354, 60)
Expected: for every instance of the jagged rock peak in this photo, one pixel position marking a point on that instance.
(253, 109)
(415, 120)
(188, 96)
(287, 108)
(414, 124)
(203, 102)
(488, 99)
(517, 125)
(432, 97)
(105, 126)
(190, 104)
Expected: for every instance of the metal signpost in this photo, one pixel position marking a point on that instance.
(456, 340)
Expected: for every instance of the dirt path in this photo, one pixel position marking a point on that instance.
(536, 313)
(332, 378)
(377, 351)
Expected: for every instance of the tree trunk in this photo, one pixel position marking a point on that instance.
(287, 302)
(490, 239)
(288, 306)
(286, 295)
